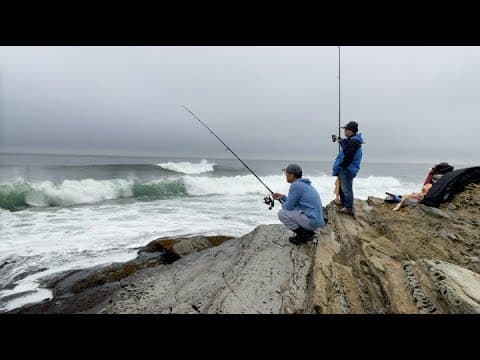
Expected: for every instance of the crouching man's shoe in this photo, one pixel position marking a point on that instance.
(303, 236)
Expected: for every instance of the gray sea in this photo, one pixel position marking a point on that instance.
(62, 212)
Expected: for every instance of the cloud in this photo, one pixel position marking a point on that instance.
(412, 103)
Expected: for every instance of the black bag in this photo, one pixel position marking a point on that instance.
(450, 184)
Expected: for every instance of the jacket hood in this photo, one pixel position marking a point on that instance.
(305, 180)
(358, 136)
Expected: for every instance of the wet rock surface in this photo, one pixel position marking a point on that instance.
(260, 272)
(84, 290)
(418, 260)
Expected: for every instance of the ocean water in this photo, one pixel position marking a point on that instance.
(67, 212)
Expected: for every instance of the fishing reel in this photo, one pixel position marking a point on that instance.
(268, 200)
(334, 138)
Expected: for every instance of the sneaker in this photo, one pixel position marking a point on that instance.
(344, 210)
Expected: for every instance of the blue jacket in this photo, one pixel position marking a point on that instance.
(303, 196)
(350, 156)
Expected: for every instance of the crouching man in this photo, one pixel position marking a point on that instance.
(302, 210)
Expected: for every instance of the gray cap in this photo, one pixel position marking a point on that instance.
(295, 169)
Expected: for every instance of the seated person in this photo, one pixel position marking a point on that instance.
(413, 196)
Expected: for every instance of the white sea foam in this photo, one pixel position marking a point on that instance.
(89, 191)
(77, 192)
(75, 237)
(247, 184)
(70, 192)
(188, 168)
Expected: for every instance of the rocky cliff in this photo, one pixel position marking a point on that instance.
(417, 260)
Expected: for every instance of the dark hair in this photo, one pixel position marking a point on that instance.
(298, 176)
(294, 169)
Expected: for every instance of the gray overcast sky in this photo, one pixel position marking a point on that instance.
(412, 103)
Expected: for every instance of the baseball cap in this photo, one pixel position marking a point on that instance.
(352, 125)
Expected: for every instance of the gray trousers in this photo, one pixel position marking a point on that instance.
(292, 219)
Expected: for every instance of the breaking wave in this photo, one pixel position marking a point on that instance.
(21, 194)
(188, 168)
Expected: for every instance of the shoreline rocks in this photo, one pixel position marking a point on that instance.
(86, 289)
(260, 272)
(418, 260)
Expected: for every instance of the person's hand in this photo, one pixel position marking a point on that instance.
(277, 196)
(339, 139)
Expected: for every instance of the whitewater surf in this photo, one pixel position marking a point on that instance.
(61, 213)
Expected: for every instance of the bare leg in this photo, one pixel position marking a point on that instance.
(400, 204)
(337, 191)
(405, 198)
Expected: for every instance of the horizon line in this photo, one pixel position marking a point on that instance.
(398, 161)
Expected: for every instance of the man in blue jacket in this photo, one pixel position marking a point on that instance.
(347, 165)
(302, 210)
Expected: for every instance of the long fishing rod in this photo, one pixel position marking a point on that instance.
(339, 147)
(228, 148)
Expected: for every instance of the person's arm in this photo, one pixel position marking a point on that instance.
(349, 152)
(291, 200)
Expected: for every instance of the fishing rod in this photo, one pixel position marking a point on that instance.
(339, 147)
(335, 137)
(270, 202)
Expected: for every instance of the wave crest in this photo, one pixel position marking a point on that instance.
(21, 194)
(188, 168)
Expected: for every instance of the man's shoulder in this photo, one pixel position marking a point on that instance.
(296, 184)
